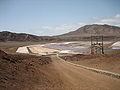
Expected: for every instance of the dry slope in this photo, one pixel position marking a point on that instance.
(27, 72)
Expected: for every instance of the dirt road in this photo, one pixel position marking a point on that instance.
(28, 72)
(75, 78)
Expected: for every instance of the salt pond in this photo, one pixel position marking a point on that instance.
(65, 47)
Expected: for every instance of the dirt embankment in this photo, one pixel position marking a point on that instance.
(22, 72)
(28, 72)
(104, 62)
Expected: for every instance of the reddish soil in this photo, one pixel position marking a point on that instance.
(105, 62)
(28, 72)
(21, 72)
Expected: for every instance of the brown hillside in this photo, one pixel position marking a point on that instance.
(83, 33)
(95, 29)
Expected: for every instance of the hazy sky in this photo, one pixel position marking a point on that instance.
(53, 17)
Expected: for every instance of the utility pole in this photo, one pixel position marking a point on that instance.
(102, 46)
(91, 46)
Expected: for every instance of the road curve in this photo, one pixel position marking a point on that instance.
(75, 78)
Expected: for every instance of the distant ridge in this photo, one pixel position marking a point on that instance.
(83, 33)
(9, 36)
(95, 29)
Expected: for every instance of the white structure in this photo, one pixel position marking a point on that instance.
(116, 45)
(22, 50)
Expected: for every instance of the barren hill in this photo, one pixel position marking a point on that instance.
(95, 29)
(83, 33)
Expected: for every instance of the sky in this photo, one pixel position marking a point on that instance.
(55, 17)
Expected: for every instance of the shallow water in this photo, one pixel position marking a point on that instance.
(68, 49)
(107, 50)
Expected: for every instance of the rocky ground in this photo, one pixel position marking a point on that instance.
(30, 72)
(109, 62)
(19, 71)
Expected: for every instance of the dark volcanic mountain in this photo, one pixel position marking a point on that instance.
(83, 33)
(9, 36)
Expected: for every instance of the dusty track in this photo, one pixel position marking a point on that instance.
(75, 78)
(108, 73)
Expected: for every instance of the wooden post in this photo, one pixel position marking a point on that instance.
(102, 46)
(91, 46)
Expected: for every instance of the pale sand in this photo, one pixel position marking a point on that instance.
(22, 50)
(116, 45)
(36, 49)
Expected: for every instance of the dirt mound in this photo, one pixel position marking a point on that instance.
(5, 56)
(2, 54)
(78, 57)
(22, 72)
